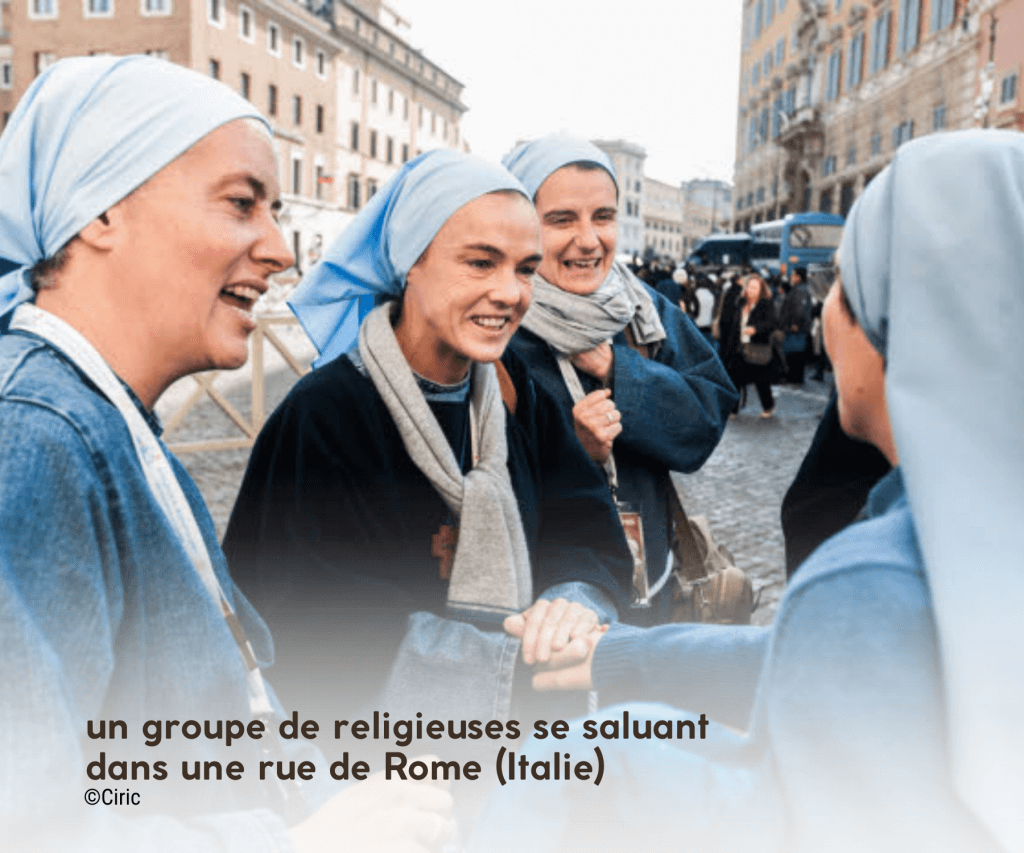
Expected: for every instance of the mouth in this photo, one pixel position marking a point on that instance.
(491, 323)
(241, 296)
(585, 264)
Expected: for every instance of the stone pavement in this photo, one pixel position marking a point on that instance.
(739, 489)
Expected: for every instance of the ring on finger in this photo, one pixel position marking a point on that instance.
(611, 417)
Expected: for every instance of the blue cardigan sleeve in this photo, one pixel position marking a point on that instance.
(62, 602)
(675, 406)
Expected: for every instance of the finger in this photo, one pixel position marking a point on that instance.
(534, 621)
(573, 653)
(547, 630)
(592, 400)
(570, 625)
(572, 678)
(586, 621)
(515, 625)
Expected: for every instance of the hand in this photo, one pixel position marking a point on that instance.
(597, 361)
(378, 816)
(749, 330)
(571, 668)
(549, 626)
(597, 423)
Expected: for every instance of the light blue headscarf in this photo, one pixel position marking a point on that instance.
(368, 263)
(533, 162)
(932, 260)
(89, 131)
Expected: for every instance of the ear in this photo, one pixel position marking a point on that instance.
(104, 232)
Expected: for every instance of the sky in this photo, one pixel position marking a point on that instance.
(661, 73)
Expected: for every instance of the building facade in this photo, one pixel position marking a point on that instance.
(707, 210)
(663, 213)
(348, 98)
(829, 90)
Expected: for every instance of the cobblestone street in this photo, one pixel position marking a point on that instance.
(739, 489)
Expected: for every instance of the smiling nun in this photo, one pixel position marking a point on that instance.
(417, 487)
(646, 394)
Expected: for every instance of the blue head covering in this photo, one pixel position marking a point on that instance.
(932, 261)
(88, 131)
(533, 162)
(368, 263)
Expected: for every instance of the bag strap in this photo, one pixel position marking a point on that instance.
(508, 389)
(690, 558)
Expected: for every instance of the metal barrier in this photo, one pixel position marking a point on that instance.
(204, 382)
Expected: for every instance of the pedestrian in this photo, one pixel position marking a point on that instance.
(139, 210)
(752, 357)
(417, 486)
(882, 709)
(706, 296)
(647, 395)
(795, 320)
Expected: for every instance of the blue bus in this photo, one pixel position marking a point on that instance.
(800, 239)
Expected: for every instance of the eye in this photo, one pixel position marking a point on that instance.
(243, 204)
(481, 263)
(527, 270)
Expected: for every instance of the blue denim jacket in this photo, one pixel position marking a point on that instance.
(103, 618)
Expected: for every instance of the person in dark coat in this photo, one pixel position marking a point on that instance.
(394, 510)
(795, 320)
(754, 324)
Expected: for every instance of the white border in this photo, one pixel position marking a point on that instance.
(163, 13)
(274, 26)
(249, 39)
(216, 22)
(300, 43)
(9, 66)
(33, 16)
(89, 15)
(320, 57)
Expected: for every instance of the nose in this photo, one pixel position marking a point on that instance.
(508, 288)
(271, 248)
(586, 237)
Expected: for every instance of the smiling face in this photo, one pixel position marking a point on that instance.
(467, 294)
(577, 209)
(200, 240)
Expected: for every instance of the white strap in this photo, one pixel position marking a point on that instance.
(572, 382)
(159, 476)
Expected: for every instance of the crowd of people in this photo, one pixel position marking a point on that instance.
(465, 512)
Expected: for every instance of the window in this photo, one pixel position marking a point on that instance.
(405, 108)
(938, 117)
(155, 7)
(373, 149)
(855, 68)
(390, 150)
(880, 42)
(769, 13)
(758, 18)
(760, 195)
(838, 5)
(297, 109)
(354, 136)
(767, 64)
(421, 117)
(903, 132)
(353, 192)
(298, 52)
(825, 204)
(851, 155)
(245, 23)
(828, 167)
(373, 96)
(98, 8)
(433, 123)
(215, 12)
(296, 177)
(321, 64)
(318, 178)
(405, 152)
(755, 75)
(876, 144)
(909, 22)
(319, 118)
(273, 39)
(780, 52)
(272, 100)
(355, 81)
(777, 112)
(371, 188)
(6, 74)
(752, 134)
(42, 9)
(391, 101)
(834, 79)
(789, 100)
(215, 69)
(1008, 89)
(942, 14)
(244, 85)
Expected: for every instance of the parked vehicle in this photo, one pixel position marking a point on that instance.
(720, 250)
(800, 239)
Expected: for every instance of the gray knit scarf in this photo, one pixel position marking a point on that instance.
(491, 571)
(571, 323)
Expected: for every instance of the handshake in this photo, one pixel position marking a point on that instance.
(559, 639)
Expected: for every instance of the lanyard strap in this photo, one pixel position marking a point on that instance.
(160, 477)
(572, 382)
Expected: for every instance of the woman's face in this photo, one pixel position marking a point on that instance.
(467, 294)
(577, 209)
(752, 289)
(860, 376)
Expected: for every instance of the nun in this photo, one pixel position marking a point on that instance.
(645, 392)
(883, 709)
(137, 220)
(417, 487)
